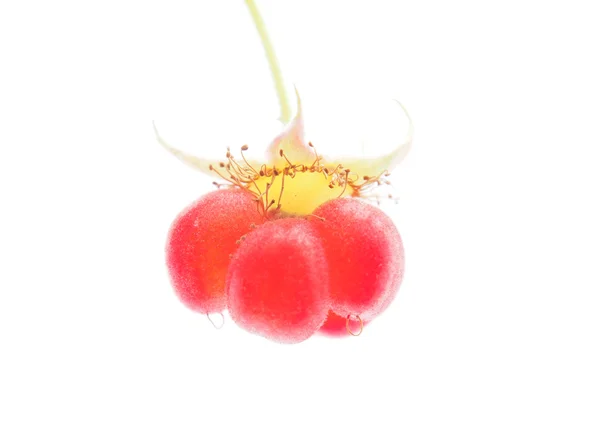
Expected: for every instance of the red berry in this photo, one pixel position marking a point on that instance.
(277, 282)
(200, 243)
(365, 256)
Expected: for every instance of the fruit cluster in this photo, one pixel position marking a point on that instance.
(288, 247)
(281, 275)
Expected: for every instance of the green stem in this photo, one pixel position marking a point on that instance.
(284, 105)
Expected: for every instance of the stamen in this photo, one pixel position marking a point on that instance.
(345, 183)
(244, 148)
(285, 172)
(244, 175)
(211, 168)
(282, 154)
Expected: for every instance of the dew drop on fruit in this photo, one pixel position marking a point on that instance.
(337, 326)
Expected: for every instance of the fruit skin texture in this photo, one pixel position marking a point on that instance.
(277, 283)
(365, 256)
(199, 244)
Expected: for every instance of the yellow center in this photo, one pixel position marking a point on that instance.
(293, 188)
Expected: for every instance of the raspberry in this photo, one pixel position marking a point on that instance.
(200, 243)
(365, 256)
(277, 282)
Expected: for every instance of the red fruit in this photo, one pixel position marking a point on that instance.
(277, 282)
(200, 242)
(365, 256)
(338, 326)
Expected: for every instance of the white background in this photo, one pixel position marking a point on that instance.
(494, 336)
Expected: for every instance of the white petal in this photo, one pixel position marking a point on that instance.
(201, 164)
(375, 166)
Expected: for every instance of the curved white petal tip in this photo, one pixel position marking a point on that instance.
(374, 166)
(197, 163)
